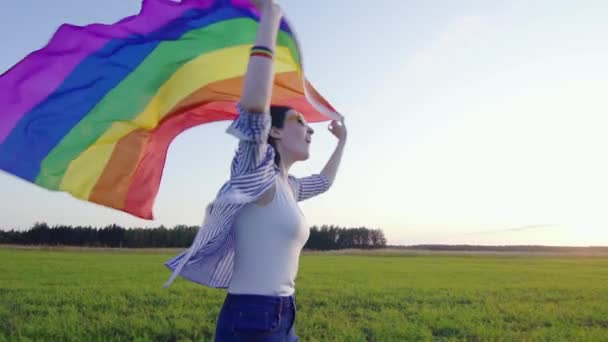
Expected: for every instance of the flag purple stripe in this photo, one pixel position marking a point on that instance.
(32, 80)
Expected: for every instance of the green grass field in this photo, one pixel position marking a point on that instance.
(90, 295)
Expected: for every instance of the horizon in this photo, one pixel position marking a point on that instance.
(387, 246)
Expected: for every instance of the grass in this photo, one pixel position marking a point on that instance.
(90, 295)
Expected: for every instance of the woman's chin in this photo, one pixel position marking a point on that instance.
(304, 156)
(299, 154)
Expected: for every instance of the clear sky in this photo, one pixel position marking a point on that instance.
(480, 122)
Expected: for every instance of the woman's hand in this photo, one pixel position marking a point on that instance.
(268, 6)
(338, 129)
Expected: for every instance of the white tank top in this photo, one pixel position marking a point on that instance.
(268, 241)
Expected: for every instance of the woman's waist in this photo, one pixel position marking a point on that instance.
(285, 301)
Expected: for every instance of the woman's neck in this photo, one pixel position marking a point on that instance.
(284, 166)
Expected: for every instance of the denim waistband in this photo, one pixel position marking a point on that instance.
(285, 301)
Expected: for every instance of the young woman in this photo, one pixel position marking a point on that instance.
(254, 232)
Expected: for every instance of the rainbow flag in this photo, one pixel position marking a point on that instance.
(94, 111)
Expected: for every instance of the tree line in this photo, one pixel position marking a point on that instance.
(321, 238)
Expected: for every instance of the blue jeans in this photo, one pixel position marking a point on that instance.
(257, 318)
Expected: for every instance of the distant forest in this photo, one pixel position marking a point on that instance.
(321, 238)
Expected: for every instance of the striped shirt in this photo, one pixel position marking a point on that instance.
(209, 260)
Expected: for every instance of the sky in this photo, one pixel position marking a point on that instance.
(470, 122)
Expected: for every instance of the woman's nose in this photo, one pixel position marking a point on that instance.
(310, 130)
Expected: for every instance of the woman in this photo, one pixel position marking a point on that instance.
(254, 232)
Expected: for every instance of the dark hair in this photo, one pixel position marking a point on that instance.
(278, 114)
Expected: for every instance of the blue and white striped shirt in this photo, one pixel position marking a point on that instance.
(209, 260)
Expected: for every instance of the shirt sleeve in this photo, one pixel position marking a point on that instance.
(311, 186)
(253, 150)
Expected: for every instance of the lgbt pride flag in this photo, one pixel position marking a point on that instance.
(94, 111)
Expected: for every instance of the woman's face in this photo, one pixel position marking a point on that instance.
(295, 136)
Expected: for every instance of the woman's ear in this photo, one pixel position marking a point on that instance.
(275, 133)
